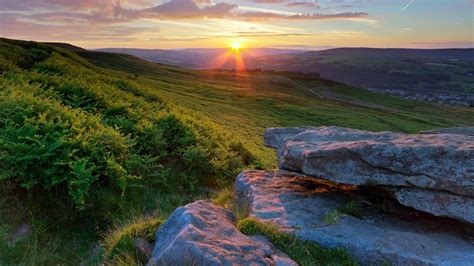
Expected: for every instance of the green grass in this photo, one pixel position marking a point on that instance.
(118, 243)
(333, 217)
(89, 140)
(224, 198)
(352, 208)
(302, 252)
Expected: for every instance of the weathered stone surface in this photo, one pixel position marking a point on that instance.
(201, 233)
(301, 204)
(23, 231)
(442, 162)
(452, 130)
(437, 203)
(276, 137)
(143, 246)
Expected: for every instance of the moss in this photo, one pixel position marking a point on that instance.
(352, 208)
(302, 252)
(332, 217)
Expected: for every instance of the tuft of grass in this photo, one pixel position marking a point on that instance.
(352, 208)
(224, 198)
(241, 210)
(119, 246)
(303, 252)
(332, 217)
(35, 249)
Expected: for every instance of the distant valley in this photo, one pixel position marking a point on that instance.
(443, 75)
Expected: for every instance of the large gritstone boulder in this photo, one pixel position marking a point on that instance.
(412, 164)
(201, 233)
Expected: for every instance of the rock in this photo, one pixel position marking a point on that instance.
(302, 206)
(23, 231)
(201, 233)
(438, 203)
(442, 162)
(143, 246)
(469, 131)
(276, 137)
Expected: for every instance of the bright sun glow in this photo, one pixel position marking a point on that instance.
(236, 46)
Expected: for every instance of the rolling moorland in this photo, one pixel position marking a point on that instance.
(440, 75)
(96, 147)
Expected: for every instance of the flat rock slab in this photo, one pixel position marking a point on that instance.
(201, 233)
(443, 162)
(301, 205)
(438, 161)
(437, 203)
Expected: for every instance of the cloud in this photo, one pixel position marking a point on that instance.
(181, 9)
(304, 4)
(116, 11)
(121, 20)
(22, 5)
(408, 5)
(305, 16)
(21, 27)
(269, 1)
(186, 9)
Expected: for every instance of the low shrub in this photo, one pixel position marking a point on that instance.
(66, 130)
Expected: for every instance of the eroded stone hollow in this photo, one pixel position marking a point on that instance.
(317, 210)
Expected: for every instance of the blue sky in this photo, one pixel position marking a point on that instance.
(307, 24)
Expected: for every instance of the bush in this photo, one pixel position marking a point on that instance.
(67, 130)
(48, 147)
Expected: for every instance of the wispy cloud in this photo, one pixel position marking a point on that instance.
(408, 5)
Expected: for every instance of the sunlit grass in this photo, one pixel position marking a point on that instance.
(303, 252)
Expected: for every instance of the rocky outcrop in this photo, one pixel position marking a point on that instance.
(201, 233)
(310, 209)
(276, 137)
(430, 162)
(398, 182)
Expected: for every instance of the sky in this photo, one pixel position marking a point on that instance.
(301, 24)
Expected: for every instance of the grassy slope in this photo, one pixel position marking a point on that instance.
(230, 104)
(423, 71)
(246, 104)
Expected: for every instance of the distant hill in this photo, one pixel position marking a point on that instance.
(66, 46)
(433, 75)
(439, 75)
(198, 58)
(377, 52)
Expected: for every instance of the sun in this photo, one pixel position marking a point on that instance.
(236, 46)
